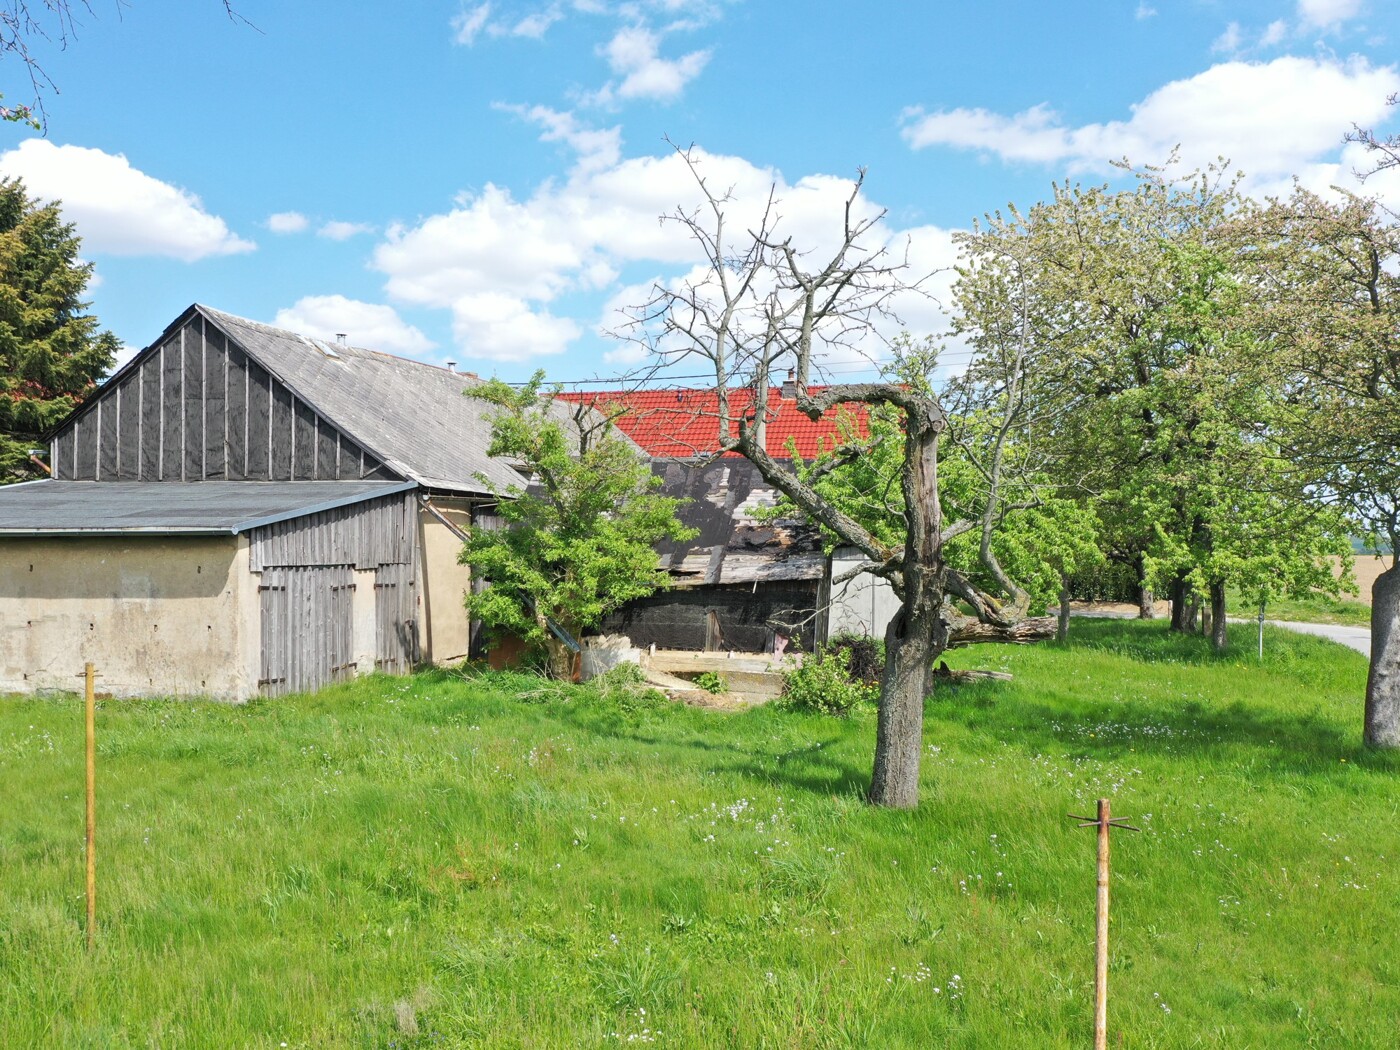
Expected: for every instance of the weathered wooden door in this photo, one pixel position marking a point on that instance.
(307, 627)
(395, 613)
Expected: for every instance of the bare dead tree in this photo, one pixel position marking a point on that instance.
(761, 306)
(27, 28)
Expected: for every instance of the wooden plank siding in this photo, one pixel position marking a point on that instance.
(364, 535)
(307, 584)
(307, 628)
(197, 408)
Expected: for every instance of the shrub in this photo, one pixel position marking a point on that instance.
(822, 683)
(712, 682)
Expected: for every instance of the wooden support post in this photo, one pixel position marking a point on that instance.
(1101, 936)
(1104, 821)
(90, 705)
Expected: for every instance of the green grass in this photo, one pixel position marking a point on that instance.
(432, 862)
(1316, 608)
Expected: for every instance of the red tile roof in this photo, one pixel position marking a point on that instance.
(681, 424)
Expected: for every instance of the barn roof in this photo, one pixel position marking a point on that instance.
(411, 415)
(174, 507)
(683, 424)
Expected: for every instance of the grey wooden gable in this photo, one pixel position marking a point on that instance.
(195, 406)
(220, 397)
(413, 415)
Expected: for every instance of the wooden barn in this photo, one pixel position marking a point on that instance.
(243, 511)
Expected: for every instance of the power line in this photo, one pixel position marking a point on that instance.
(955, 357)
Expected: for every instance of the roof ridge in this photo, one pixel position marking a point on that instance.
(338, 348)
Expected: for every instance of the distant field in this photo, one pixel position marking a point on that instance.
(438, 862)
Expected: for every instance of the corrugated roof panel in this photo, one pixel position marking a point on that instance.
(172, 507)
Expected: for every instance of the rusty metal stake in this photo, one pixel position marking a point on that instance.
(90, 704)
(1104, 821)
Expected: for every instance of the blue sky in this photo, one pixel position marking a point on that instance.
(481, 182)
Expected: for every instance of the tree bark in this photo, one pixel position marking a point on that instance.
(918, 634)
(1147, 601)
(561, 659)
(1207, 619)
(1383, 684)
(1219, 637)
(1062, 622)
(967, 631)
(1180, 599)
(911, 646)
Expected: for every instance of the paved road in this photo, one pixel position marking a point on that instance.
(1358, 638)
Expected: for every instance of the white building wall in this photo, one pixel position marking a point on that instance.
(863, 605)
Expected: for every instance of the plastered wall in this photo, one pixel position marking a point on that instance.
(444, 584)
(159, 616)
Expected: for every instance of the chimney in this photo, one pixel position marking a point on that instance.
(790, 385)
(452, 366)
(340, 338)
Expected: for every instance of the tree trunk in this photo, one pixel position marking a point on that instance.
(911, 646)
(1207, 621)
(1218, 635)
(918, 634)
(1062, 624)
(1147, 601)
(561, 659)
(1180, 598)
(1383, 685)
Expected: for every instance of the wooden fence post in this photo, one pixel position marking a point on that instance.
(1104, 822)
(90, 708)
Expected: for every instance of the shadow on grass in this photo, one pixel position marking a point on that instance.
(1045, 709)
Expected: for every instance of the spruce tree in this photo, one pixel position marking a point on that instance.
(51, 351)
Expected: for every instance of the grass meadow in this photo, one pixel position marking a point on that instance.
(441, 861)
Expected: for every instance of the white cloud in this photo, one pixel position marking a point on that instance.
(338, 230)
(488, 243)
(1274, 33)
(370, 325)
(1228, 41)
(503, 327)
(118, 209)
(1270, 119)
(469, 22)
(595, 148)
(534, 26)
(287, 222)
(634, 55)
(1144, 11)
(1323, 14)
(500, 264)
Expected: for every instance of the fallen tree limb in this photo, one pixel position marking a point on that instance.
(967, 631)
(944, 673)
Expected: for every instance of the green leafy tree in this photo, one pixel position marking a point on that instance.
(578, 543)
(1329, 290)
(1034, 537)
(51, 351)
(1163, 404)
